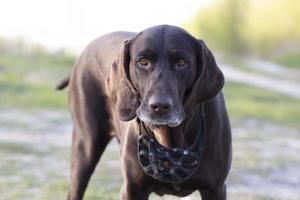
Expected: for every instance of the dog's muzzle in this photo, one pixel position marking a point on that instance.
(170, 165)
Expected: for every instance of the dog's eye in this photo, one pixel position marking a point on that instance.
(143, 62)
(180, 63)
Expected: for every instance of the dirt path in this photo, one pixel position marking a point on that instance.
(273, 69)
(283, 85)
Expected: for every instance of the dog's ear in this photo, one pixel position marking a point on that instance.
(125, 96)
(209, 80)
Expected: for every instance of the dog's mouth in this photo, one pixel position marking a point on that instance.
(160, 125)
(172, 119)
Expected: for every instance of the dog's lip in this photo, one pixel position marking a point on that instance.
(157, 126)
(159, 122)
(173, 119)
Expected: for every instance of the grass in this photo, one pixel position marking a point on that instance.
(291, 60)
(236, 61)
(244, 101)
(27, 81)
(27, 172)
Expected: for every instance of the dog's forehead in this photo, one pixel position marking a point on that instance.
(164, 36)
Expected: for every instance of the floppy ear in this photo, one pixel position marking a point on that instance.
(209, 80)
(124, 94)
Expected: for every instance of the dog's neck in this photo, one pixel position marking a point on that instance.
(194, 121)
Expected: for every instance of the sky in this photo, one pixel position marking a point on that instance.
(72, 24)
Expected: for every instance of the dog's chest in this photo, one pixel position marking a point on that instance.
(177, 189)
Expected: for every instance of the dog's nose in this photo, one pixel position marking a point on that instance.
(160, 105)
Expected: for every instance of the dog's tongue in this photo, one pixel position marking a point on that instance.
(161, 135)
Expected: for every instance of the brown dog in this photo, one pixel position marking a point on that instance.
(163, 84)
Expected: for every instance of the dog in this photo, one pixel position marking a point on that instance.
(159, 92)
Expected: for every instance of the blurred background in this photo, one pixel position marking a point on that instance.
(255, 42)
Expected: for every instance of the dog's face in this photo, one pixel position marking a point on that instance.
(162, 68)
(168, 68)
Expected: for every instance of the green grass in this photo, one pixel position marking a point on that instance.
(291, 60)
(28, 81)
(19, 149)
(244, 101)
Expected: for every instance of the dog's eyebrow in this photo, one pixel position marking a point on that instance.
(179, 53)
(148, 53)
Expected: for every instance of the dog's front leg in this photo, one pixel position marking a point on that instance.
(217, 193)
(131, 192)
(134, 187)
(136, 184)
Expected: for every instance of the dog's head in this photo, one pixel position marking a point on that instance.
(162, 69)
